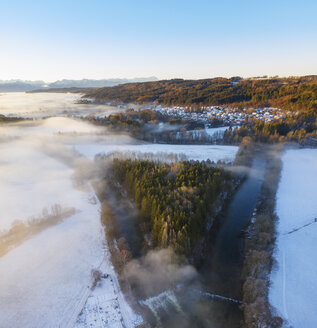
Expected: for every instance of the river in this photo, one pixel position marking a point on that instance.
(214, 300)
(221, 269)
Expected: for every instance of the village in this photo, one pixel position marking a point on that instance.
(227, 115)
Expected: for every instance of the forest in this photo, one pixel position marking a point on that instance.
(144, 125)
(292, 93)
(300, 127)
(174, 200)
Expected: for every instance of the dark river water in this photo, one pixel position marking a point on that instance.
(222, 266)
(220, 272)
(201, 305)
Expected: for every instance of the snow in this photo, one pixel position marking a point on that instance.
(30, 182)
(217, 132)
(106, 306)
(192, 152)
(212, 134)
(45, 281)
(205, 134)
(99, 305)
(293, 290)
(41, 281)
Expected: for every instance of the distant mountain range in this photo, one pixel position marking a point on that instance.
(21, 85)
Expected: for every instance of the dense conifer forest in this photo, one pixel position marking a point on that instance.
(174, 200)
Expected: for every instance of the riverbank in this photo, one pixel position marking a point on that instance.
(235, 277)
(226, 242)
(182, 303)
(258, 248)
(121, 219)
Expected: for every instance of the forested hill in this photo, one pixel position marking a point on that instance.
(293, 93)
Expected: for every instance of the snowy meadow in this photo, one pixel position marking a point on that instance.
(51, 215)
(293, 289)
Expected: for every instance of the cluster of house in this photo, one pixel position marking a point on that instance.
(226, 114)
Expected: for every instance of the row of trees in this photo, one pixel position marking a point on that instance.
(6, 119)
(173, 199)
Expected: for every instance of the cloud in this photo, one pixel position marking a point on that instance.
(157, 271)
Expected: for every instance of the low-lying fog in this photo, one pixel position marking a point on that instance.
(39, 105)
(45, 172)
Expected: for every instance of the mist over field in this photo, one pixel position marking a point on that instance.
(52, 241)
(49, 214)
(41, 105)
(158, 164)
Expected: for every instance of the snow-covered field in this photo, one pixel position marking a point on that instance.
(216, 132)
(45, 280)
(192, 152)
(293, 289)
(31, 181)
(106, 305)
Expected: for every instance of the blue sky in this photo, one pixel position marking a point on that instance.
(190, 39)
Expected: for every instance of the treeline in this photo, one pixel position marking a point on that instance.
(293, 93)
(22, 230)
(6, 119)
(301, 128)
(60, 90)
(174, 200)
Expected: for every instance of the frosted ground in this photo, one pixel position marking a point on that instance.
(196, 152)
(45, 280)
(215, 133)
(294, 285)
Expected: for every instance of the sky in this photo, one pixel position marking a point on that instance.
(55, 39)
